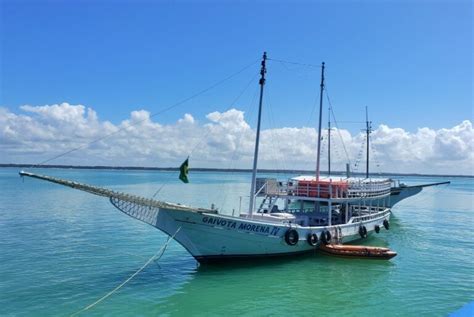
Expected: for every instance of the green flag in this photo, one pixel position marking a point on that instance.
(183, 171)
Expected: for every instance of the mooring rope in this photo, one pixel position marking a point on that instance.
(158, 255)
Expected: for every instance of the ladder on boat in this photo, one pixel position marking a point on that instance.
(267, 204)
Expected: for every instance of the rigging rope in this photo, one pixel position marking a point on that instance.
(274, 147)
(310, 117)
(359, 155)
(337, 126)
(293, 63)
(159, 189)
(158, 255)
(233, 160)
(209, 131)
(231, 105)
(374, 155)
(218, 83)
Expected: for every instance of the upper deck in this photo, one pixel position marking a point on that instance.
(325, 189)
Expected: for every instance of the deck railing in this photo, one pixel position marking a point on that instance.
(366, 214)
(328, 190)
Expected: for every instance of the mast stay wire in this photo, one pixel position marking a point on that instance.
(315, 104)
(374, 155)
(233, 160)
(270, 116)
(218, 83)
(337, 126)
(306, 65)
(354, 122)
(272, 122)
(282, 164)
(293, 63)
(232, 104)
(361, 151)
(208, 132)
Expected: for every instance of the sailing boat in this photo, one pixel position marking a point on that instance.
(398, 191)
(343, 210)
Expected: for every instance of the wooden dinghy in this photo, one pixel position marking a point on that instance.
(358, 251)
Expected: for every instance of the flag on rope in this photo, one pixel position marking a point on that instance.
(183, 171)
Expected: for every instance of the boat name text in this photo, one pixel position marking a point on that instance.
(270, 230)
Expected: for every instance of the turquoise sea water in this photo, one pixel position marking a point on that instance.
(62, 249)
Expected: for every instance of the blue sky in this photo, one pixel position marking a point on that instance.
(73, 72)
(410, 62)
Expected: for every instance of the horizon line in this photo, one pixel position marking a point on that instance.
(210, 169)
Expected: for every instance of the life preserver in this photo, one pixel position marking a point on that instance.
(363, 231)
(377, 228)
(312, 239)
(291, 237)
(386, 224)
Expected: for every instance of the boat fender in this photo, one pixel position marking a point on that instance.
(363, 231)
(386, 224)
(291, 237)
(323, 238)
(328, 236)
(312, 239)
(377, 228)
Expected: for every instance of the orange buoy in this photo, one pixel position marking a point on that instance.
(358, 251)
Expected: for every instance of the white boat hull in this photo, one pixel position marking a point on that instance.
(212, 237)
(209, 236)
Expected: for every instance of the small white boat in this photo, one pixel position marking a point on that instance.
(292, 217)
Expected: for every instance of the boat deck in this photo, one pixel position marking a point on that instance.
(326, 190)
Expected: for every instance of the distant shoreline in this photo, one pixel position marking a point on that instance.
(202, 169)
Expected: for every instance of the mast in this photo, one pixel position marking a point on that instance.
(367, 130)
(329, 140)
(263, 70)
(320, 118)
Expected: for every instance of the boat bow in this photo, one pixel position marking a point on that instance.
(141, 208)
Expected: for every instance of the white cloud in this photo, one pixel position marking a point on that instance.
(455, 144)
(427, 150)
(187, 119)
(224, 140)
